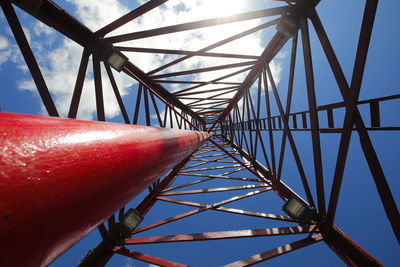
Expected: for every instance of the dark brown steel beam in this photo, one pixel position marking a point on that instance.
(353, 115)
(217, 80)
(200, 24)
(146, 7)
(179, 94)
(76, 96)
(213, 68)
(220, 235)
(98, 90)
(199, 210)
(265, 174)
(137, 106)
(117, 94)
(196, 82)
(99, 256)
(57, 18)
(213, 190)
(148, 258)
(217, 44)
(276, 251)
(314, 122)
(182, 52)
(291, 140)
(348, 250)
(270, 135)
(274, 46)
(288, 101)
(141, 77)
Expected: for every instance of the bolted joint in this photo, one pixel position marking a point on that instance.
(288, 25)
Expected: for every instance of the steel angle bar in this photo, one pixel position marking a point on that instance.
(270, 134)
(288, 101)
(179, 93)
(314, 122)
(291, 140)
(350, 98)
(182, 52)
(213, 190)
(146, 7)
(276, 43)
(202, 70)
(217, 44)
(159, 91)
(147, 258)
(117, 94)
(276, 252)
(200, 24)
(230, 210)
(211, 168)
(196, 211)
(220, 235)
(186, 185)
(98, 90)
(209, 156)
(222, 177)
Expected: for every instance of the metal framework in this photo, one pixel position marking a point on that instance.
(243, 153)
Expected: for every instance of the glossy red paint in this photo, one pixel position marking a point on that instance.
(60, 178)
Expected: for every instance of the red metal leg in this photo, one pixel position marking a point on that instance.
(60, 178)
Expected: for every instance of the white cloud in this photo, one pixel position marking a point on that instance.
(129, 262)
(3, 42)
(95, 14)
(9, 51)
(41, 28)
(5, 52)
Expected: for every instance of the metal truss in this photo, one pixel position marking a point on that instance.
(243, 153)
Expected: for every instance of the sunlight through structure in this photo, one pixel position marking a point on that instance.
(278, 89)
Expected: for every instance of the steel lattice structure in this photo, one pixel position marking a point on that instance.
(244, 154)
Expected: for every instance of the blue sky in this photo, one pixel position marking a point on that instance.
(360, 213)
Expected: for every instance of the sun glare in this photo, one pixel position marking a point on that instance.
(223, 7)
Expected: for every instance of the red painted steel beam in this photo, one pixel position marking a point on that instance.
(104, 251)
(148, 258)
(276, 251)
(60, 178)
(348, 250)
(221, 235)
